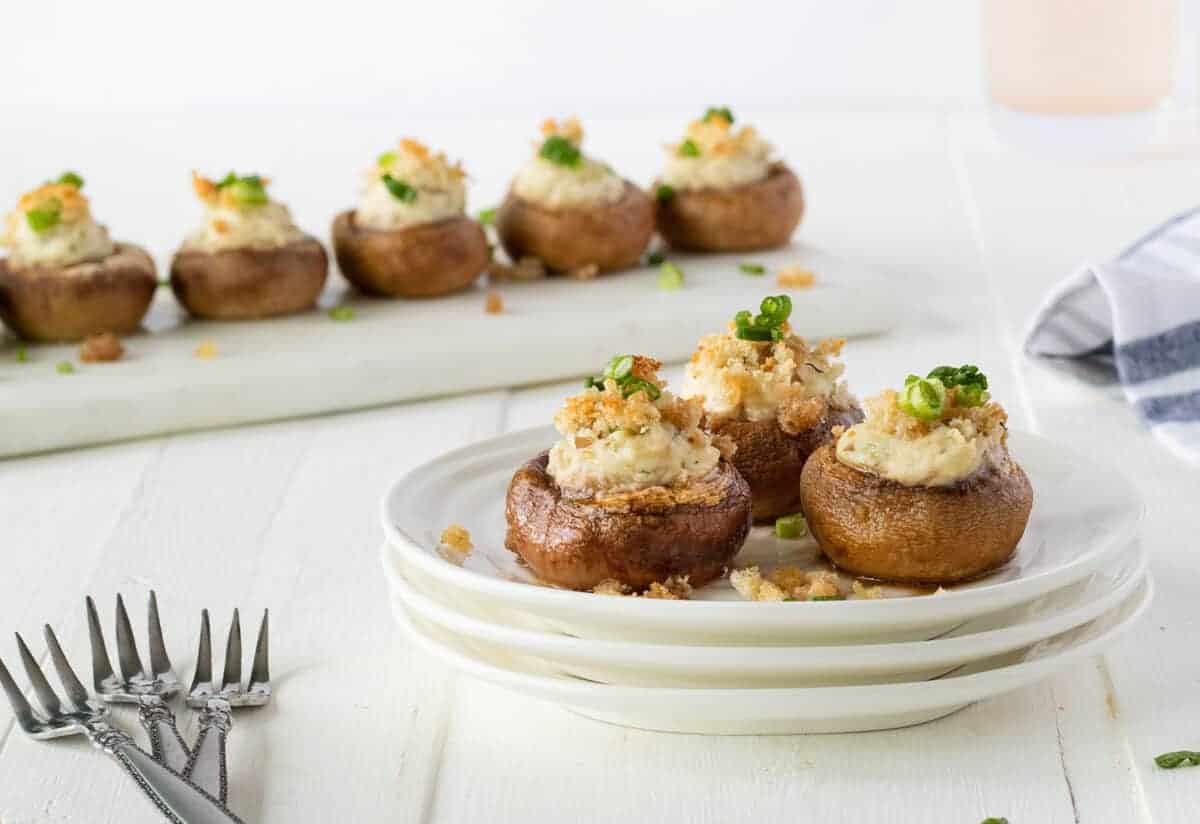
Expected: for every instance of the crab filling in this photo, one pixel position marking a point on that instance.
(560, 176)
(53, 226)
(409, 186)
(238, 214)
(715, 155)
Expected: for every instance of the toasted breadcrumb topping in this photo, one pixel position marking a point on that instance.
(795, 277)
(570, 129)
(554, 185)
(74, 237)
(715, 155)
(457, 537)
(884, 415)
(786, 583)
(231, 224)
(430, 186)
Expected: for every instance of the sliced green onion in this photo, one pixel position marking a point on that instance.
(791, 527)
(828, 598)
(559, 150)
(970, 383)
(619, 368)
(719, 111)
(777, 308)
(22, 354)
(487, 216)
(386, 159)
(65, 368)
(670, 276)
(71, 179)
(664, 192)
(1177, 759)
(655, 258)
(923, 399)
(342, 313)
(752, 268)
(399, 189)
(688, 148)
(249, 193)
(994, 820)
(45, 218)
(632, 386)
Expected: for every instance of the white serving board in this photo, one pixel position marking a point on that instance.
(397, 350)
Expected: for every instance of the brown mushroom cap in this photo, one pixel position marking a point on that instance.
(245, 284)
(48, 303)
(771, 460)
(636, 538)
(610, 236)
(760, 215)
(421, 261)
(877, 528)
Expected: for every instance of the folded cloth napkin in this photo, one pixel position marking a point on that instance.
(1139, 314)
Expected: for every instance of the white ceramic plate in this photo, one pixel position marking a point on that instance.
(781, 710)
(1082, 512)
(660, 665)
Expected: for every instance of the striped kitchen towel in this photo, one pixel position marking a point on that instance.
(1141, 314)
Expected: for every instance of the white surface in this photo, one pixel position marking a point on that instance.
(674, 665)
(780, 710)
(399, 350)
(1083, 512)
(285, 515)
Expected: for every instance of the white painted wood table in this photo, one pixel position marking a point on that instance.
(365, 729)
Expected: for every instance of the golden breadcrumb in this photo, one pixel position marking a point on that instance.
(674, 588)
(751, 585)
(457, 537)
(884, 415)
(863, 590)
(716, 137)
(103, 347)
(610, 586)
(571, 129)
(587, 272)
(823, 585)
(212, 195)
(494, 304)
(67, 200)
(526, 269)
(206, 350)
(791, 579)
(601, 411)
(795, 277)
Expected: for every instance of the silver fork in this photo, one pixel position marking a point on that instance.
(207, 766)
(179, 801)
(137, 685)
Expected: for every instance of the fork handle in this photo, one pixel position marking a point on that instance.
(179, 801)
(206, 768)
(166, 744)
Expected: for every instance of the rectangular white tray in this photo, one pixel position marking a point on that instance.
(401, 350)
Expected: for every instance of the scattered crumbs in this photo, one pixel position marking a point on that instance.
(526, 269)
(610, 586)
(862, 590)
(206, 350)
(65, 368)
(674, 588)
(823, 585)
(791, 579)
(104, 347)
(584, 272)
(342, 313)
(939, 591)
(455, 544)
(494, 304)
(751, 585)
(22, 354)
(795, 277)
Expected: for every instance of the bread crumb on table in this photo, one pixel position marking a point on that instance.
(494, 304)
(795, 277)
(206, 350)
(104, 347)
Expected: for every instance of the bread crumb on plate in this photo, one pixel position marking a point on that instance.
(103, 347)
(206, 350)
(494, 304)
(795, 277)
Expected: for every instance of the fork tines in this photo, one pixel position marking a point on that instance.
(53, 720)
(257, 691)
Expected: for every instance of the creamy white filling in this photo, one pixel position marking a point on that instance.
(380, 209)
(555, 186)
(261, 227)
(659, 455)
(715, 172)
(62, 245)
(946, 455)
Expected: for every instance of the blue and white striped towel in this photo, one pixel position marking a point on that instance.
(1140, 313)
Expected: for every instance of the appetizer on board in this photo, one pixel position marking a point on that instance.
(721, 191)
(247, 259)
(572, 212)
(64, 277)
(773, 394)
(923, 490)
(634, 491)
(409, 236)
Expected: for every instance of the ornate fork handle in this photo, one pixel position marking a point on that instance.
(178, 800)
(207, 768)
(166, 744)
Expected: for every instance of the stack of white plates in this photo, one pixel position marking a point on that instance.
(719, 664)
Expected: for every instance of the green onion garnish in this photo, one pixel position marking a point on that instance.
(967, 379)
(386, 159)
(342, 313)
(994, 820)
(768, 324)
(828, 598)
(45, 217)
(752, 268)
(688, 148)
(670, 276)
(631, 386)
(65, 368)
(22, 354)
(664, 192)
(559, 150)
(655, 258)
(791, 527)
(1177, 759)
(620, 369)
(923, 398)
(719, 111)
(70, 179)
(487, 216)
(399, 189)
(248, 190)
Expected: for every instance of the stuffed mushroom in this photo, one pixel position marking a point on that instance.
(722, 191)
(247, 259)
(571, 211)
(64, 278)
(409, 236)
(924, 490)
(775, 395)
(634, 492)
